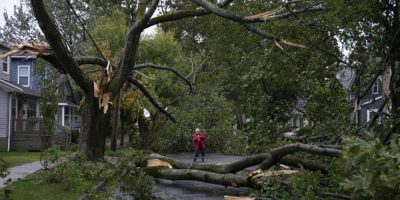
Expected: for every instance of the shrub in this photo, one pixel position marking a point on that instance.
(370, 170)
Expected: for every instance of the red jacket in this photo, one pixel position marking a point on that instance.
(198, 139)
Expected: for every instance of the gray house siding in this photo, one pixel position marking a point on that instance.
(34, 79)
(3, 113)
(365, 111)
(371, 102)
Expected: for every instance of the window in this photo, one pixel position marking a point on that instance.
(4, 66)
(375, 87)
(23, 75)
(371, 113)
(31, 111)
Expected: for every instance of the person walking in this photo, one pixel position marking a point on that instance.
(199, 145)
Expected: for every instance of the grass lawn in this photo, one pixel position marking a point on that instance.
(15, 158)
(32, 188)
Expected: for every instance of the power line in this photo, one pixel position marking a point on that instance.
(85, 29)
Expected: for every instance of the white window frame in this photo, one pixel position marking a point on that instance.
(29, 74)
(8, 66)
(369, 111)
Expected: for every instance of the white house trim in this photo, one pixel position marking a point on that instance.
(9, 122)
(63, 115)
(11, 85)
(29, 74)
(8, 66)
(372, 100)
(369, 111)
(67, 104)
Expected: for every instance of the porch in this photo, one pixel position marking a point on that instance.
(30, 134)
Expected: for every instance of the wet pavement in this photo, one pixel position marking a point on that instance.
(196, 190)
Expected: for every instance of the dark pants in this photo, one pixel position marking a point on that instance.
(198, 151)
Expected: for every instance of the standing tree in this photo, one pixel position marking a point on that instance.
(92, 141)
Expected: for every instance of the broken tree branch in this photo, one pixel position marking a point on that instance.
(278, 153)
(199, 175)
(150, 98)
(53, 36)
(173, 70)
(184, 14)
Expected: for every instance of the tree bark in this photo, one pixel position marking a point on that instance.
(122, 135)
(239, 117)
(199, 175)
(93, 132)
(115, 123)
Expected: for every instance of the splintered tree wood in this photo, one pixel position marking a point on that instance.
(266, 15)
(157, 163)
(227, 197)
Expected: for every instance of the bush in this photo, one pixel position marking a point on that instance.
(68, 172)
(370, 170)
(3, 168)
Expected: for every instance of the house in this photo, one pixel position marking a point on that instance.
(20, 93)
(366, 109)
(298, 119)
(370, 103)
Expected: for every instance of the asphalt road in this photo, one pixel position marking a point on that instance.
(195, 190)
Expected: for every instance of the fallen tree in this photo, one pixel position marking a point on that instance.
(226, 174)
(269, 159)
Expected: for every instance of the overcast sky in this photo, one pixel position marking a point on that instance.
(7, 5)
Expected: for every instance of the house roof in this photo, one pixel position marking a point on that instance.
(3, 46)
(346, 77)
(12, 87)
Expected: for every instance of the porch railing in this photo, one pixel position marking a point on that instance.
(27, 127)
(63, 135)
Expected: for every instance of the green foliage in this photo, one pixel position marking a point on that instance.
(33, 187)
(3, 168)
(49, 79)
(68, 172)
(304, 185)
(15, 158)
(368, 169)
(128, 179)
(109, 32)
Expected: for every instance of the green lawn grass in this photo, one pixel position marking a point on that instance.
(32, 188)
(15, 158)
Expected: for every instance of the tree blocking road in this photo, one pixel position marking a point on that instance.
(225, 174)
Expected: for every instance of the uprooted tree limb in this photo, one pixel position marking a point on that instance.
(170, 168)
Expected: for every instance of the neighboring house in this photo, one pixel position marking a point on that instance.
(367, 108)
(20, 93)
(371, 102)
(298, 120)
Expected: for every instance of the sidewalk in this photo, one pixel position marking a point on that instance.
(19, 172)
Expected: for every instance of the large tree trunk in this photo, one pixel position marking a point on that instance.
(122, 135)
(115, 123)
(93, 132)
(239, 117)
